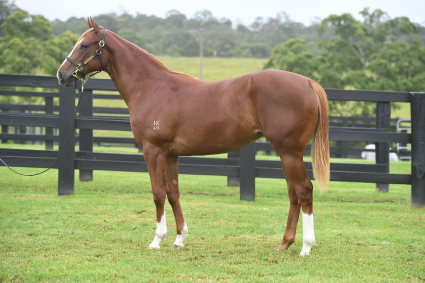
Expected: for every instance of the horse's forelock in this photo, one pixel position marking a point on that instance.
(84, 34)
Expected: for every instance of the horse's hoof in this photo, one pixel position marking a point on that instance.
(280, 249)
(305, 251)
(175, 246)
(285, 246)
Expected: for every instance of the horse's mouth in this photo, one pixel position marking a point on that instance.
(69, 82)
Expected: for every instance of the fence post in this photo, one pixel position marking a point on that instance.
(344, 144)
(4, 128)
(66, 160)
(22, 129)
(86, 135)
(247, 172)
(417, 110)
(48, 109)
(382, 149)
(233, 181)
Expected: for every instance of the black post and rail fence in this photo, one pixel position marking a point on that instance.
(240, 167)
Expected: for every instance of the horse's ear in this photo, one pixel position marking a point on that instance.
(95, 27)
(89, 23)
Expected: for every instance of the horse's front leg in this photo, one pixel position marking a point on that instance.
(173, 194)
(156, 160)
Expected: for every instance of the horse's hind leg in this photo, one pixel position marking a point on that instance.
(173, 194)
(300, 191)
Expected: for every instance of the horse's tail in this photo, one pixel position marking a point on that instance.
(320, 146)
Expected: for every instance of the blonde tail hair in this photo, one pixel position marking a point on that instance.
(320, 146)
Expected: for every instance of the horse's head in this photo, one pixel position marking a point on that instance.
(86, 57)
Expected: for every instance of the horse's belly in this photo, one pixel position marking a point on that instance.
(214, 139)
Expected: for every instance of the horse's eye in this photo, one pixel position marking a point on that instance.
(84, 46)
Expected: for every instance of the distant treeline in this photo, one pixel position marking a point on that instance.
(375, 52)
(178, 35)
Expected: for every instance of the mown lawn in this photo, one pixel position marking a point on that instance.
(102, 232)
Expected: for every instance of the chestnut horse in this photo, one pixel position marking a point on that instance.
(173, 114)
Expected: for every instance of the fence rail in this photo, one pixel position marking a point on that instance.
(240, 166)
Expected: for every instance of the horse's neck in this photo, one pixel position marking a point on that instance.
(133, 70)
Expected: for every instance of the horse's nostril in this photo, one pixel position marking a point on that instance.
(59, 75)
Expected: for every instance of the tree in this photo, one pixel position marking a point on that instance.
(365, 39)
(30, 45)
(17, 58)
(175, 19)
(22, 52)
(6, 9)
(293, 56)
(367, 54)
(400, 67)
(23, 25)
(56, 49)
(203, 16)
(132, 36)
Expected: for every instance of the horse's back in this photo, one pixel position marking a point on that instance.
(198, 117)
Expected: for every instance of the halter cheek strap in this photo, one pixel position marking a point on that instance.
(80, 67)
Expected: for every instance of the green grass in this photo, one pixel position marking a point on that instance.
(402, 112)
(214, 68)
(102, 232)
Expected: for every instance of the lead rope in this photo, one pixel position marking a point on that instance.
(67, 136)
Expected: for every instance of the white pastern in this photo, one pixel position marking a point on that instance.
(180, 238)
(308, 234)
(161, 232)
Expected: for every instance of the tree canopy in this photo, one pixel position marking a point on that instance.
(341, 51)
(375, 53)
(29, 46)
(221, 37)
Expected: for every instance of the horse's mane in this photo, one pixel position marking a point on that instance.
(142, 50)
(149, 55)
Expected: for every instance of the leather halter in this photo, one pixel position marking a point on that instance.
(97, 54)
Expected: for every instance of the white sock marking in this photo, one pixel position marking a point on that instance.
(308, 234)
(180, 238)
(161, 232)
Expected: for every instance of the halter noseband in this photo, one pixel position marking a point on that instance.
(97, 54)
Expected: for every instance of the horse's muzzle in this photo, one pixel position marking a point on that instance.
(65, 80)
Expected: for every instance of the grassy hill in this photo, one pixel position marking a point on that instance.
(214, 69)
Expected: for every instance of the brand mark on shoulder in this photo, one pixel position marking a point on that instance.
(156, 125)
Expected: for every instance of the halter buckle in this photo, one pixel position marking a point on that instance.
(101, 43)
(75, 74)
